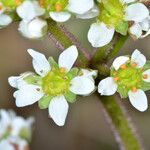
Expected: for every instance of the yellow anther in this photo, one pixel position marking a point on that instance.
(41, 3)
(133, 64)
(62, 69)
(116, 79)
(145, 76)
(17, 2)
(123, 66)
(1, 6)
(58, 7)
(134, 89)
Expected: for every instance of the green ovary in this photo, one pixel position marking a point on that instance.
(111, 12)
(129, 78)
(53, 5)
(55, 83)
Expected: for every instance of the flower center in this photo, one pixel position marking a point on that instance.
(54, 5)
(128, 77)
(11, 4)
(111, 12)
(56, 82)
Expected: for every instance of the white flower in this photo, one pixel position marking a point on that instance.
(5, 19)
(54, 84)
(34, 29)
(83, 9)
(10, 143)
(31, 25)
(130, 77)
(100, 34)
(15, 125)
(6, 145)
(29, 9)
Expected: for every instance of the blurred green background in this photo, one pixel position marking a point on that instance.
(86, 127)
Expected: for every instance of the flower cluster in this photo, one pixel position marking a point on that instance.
(54, 85)
(15, 131)
(122, 16)
(34, 13)
(130, 76)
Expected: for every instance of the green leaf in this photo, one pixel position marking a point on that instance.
(72, 73)
(33, 79)
(145, 86)
(43, 103)
(122, 27)
(52, 62)
(123, 92)
(70, 97)
(147, 65)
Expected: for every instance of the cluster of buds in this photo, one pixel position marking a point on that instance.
(16, 132)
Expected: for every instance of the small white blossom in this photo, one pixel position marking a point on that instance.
(100, 34)
(53, 82)
(31, 25)
(130, 76)
(5, 19)
(14, 125)
(84, 9)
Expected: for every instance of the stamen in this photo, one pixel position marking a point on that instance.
(145, 76)
(1, 7)
(18, 2)
(41, 3)
(62, 69)
(133, 64)
(134, 89)
(58, 7)
(123, 66)
(116, 79)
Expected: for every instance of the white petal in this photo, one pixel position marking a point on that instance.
(128, 1)
(146, 34)
(136, 12)
(28, 95)
(91, 74)
(37, 28)
(58, 110)
(138, 100)
(107, 86)
(147, 72)
(145, 24)
(99, 35)
(29, 10)
(82, 85)
(80, 7)
(119, 61)
(136, 30)
(40, 63)
(68, 57)
(90, 14)
(17, 81)
(138, 58)
(34, 29)
(60, 16)
(5, 20)
(5, 145)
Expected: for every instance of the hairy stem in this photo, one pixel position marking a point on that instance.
(121, 124)
(113, 111)
(64, 39)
